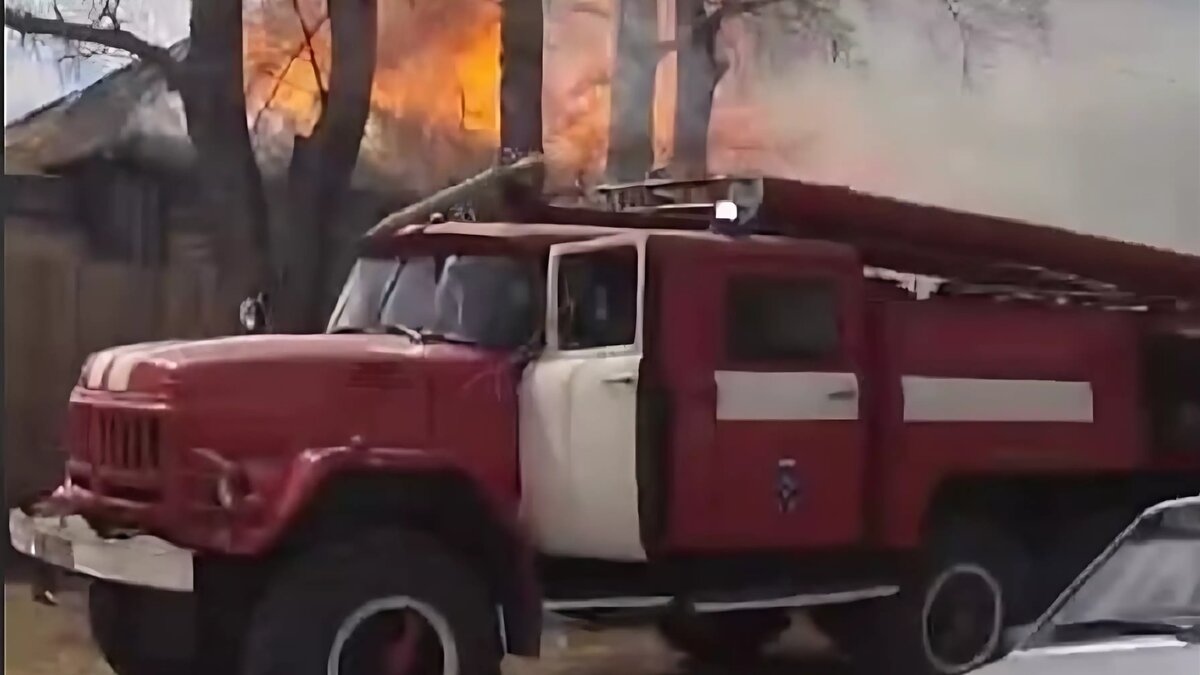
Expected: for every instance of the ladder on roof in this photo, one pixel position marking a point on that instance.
(666, 196)
(977, 255)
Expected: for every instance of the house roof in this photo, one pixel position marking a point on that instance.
(132, 114)
(115, 115)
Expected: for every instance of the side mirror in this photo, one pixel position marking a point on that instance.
(252, 315)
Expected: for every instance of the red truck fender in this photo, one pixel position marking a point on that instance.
(513, 574)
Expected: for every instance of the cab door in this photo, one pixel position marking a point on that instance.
(579, 403)
(789, 431)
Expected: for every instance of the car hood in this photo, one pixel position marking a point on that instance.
(281, 393)
(149, 367)
(1125, 656)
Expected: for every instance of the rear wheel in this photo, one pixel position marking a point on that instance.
(949, 618)
(387, 603)
(723, 638)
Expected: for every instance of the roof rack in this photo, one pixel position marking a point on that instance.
(976, 251)
(664, 195)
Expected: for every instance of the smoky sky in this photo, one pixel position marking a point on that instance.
(1099, 131)
(1096, 130)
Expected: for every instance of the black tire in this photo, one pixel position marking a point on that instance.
(727, 638)
(324, 602)
(141, 631)
(970, 572)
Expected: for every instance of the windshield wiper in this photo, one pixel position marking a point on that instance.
(438, 336)
(1186, 631)
(390, 329)
(399, 329)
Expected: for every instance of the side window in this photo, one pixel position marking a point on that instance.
(597, 298)
(772, 319)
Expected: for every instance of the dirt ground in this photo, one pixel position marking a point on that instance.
(41, 640)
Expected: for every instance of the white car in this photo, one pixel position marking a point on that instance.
(1135, 611)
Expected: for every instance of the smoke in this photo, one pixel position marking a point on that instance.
(1095, 128)
(576, 86)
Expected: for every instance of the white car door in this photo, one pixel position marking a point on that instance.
(579, 402)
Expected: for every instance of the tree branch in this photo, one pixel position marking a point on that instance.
(312, 51)
(301, 47)
(955, 11)
(28, 24)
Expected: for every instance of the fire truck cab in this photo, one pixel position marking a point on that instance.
(713, 422)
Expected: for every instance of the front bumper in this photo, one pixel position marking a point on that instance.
(70, 543)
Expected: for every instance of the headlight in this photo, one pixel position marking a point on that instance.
(232, 489)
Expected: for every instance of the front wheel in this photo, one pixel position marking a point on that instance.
(388, 603)
(143, 631)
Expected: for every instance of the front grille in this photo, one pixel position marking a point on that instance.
(116, 452)
(125, 440)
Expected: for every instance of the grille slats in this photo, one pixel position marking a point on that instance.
(118, 448)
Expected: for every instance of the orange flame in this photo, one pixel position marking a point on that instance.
(437, 75)
(436, 92)
(438, 72)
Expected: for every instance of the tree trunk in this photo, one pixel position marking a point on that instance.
(521, 29)
(631, 125)
(322, 164)
(696, 83)
(228, 177)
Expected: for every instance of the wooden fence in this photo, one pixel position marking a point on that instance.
(59, 306)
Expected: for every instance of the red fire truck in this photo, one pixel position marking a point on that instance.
(717, 402)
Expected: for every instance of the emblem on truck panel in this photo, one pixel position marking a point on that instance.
(787, 486)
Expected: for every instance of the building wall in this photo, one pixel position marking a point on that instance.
(108, 254)
(73, 284)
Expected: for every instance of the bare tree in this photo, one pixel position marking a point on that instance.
(631, 121)
(322, 163)
(210, 80)
(521, 30)
(701, 65)
(985, 25)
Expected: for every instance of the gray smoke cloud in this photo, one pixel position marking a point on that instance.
(1097, 129)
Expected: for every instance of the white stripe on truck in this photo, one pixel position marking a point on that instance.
(816, 396)
(129, 358)
(96, 371)
(961, 399)
(777, 397)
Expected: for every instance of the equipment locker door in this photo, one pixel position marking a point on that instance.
(789, 434)
(579, 403)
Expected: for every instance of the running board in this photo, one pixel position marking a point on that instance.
(587, 604)
(714, 606)
(796, 601)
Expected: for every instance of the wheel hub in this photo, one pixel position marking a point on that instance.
(397, 638)
(962, 619)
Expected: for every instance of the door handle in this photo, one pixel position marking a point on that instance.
(843, 395)
(621, 378)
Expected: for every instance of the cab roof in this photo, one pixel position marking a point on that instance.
(536, 238)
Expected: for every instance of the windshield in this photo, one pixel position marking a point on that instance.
(487, 300)
(1150, 581)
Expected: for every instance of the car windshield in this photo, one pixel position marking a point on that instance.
(485, 300)
(1150, 584)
